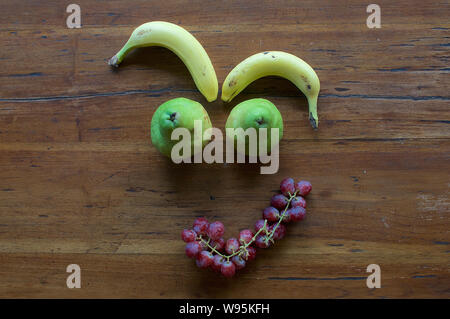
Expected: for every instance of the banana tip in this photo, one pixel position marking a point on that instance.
(313, 121)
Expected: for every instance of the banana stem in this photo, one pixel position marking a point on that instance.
(118, 57)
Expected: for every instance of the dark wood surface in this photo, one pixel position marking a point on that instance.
(80, 182)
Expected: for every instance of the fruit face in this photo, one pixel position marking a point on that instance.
(177, 113)
(256, 114)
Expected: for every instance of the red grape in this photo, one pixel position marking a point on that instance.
(228, 269)
(203, 245)
(287, 186)
(258, 225)
(286, 217)
(218, 244)
(296, 213)
(250, 254)
(204, 259)
(303, 188)
(232, 245)
(298, 202)
(216, 230)
(271, 214)
(217, 262)
(278, 201)
(201, 226)
(193, 248)
(261, 241)
(238, 262)
(279, 232)
(188, 235)
(245, 236)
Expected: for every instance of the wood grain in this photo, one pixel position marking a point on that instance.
(81, 183)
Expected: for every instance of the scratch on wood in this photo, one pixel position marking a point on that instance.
(317, 278)
(433, 203)
(424, 276)
(383, 220)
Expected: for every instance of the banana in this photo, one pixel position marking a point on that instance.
(275, 63)
(183, 44)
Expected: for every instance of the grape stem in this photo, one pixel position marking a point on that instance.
(243, 248)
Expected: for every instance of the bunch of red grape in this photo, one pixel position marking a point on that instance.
(205, 240)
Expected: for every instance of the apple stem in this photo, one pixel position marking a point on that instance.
(173, 116)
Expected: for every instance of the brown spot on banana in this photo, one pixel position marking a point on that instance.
(232, 83)
(142, 32)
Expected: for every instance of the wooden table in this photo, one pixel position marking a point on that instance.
(80, 182)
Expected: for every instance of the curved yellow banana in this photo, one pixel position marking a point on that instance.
(183, 44)
(275, 63)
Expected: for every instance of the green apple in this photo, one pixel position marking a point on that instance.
(257, 114)
(177, 113)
